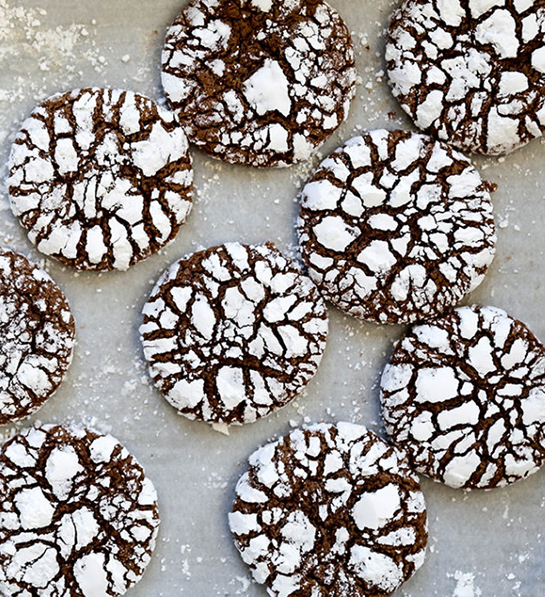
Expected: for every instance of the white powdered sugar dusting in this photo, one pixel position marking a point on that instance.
(68, 525)
(251, 328)
(113, 191)
(470, 410)
(316, 508)
(268, 89)
(465, 585)
(36, 337)
(282, 86)
(400, 237)
(454, 83)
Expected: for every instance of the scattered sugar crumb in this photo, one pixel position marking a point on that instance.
(465, 585)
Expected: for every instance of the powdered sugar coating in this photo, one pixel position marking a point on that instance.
(260, 83)
(78, 516)
(100, 178)
(37, 334)
(232, 333)
(395, 227)
(471, 72)
(329, 510)
(464, 395)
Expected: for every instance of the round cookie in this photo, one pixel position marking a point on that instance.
(471, 72)
(396, 227)
(330, 510)
(233, 333)
(78, 516)
(100, 178)
(258, 82)
(37, 334)
(464, 396)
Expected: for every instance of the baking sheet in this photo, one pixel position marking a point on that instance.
(481, 543)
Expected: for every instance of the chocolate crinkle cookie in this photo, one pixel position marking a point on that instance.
(100, 178)
(330, 511)
(464, 396)
(78, 516)
(259, 82)
(396, 227)
(471, 72)
(37, 334)
(233, 332)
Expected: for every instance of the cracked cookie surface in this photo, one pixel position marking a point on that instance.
(233, 332)
(100, 178)
(78, 516)
(471, 72)
(37, 334)
(464, 395)
(396, 227)
(330, 511)
(259, 82)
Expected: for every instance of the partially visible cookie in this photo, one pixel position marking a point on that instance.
(233, 333)
(37, 334)
(330, 510)
(396, 227)
(259, 82)
(100, 178)
(471, 72)
(464, 396)
(78, 516)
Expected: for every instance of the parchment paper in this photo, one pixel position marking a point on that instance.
(481, 543)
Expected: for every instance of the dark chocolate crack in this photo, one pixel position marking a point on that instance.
(471, 72)
(259, 82)
(233, 332)
(78, 516)
(37, 334)
(396, 227)
(100, 178)
(330, 511)
(464, 396)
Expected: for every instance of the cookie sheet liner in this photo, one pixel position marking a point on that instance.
(487, 541)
